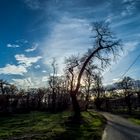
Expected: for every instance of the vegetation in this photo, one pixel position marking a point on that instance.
(134, 120)
(41, 125)
(123, 97)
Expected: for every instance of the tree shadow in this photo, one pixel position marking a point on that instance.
(78, 130)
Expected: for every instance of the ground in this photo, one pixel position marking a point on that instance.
(119, 128)
(46, 126)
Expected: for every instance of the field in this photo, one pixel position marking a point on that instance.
(46, 126)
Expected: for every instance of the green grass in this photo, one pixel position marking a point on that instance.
(46, 126)
(134, 120)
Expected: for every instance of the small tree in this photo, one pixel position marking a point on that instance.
(53, 84)
(98, 90)
(127, 85)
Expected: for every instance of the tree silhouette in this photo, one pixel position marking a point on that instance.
(104, 47)
(127, 86)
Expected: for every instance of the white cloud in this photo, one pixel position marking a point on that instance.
(24, 83)
(32, 49)
(13, 69)
(31, 82)
(44, 71)
(27, 61)
(116, 80)
(37, 67)
(129, 47)
(45, 78)
(13, 46)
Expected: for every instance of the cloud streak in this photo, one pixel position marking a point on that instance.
(27, 61)
(13, 70)
(33, 4)
(70, 36)
(13, 45)
(32, 49)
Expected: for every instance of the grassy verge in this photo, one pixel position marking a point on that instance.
(46, 126)
(134, 120)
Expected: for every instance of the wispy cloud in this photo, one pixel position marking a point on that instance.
(27, 61)
(44, 71)
(129, 6)
(70, 36)
(13, 69)
(33, 4)
(129, 47)
(24, 83)
(13, 45)
(116, 70)
(33, 48)
(45, 78)
(22, 41)
(32, 82)
(37, 67)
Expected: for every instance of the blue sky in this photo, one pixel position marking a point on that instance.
(32, 32)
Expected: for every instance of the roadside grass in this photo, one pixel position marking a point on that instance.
(135, 117)
(134, 120)
(46, 126)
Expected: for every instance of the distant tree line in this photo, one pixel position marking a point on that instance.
(123, 96)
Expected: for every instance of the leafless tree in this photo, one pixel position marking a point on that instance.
(2, 86)
(53, 83)
(98, 90)
(89, 79)
(127, 85)
(105, 47)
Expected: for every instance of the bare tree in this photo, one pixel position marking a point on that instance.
(71, 67)
(2, 86)
(53, 83)
(71, 70)
(89, 78)
(98, 90)
(105, 46)
(127, 85)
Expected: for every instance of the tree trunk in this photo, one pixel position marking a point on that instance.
(98, 103)
(54, 102)
(128, 103)
(76, 107)
(87, 102)
(2, 89)
(138, 94)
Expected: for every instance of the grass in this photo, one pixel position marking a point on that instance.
(134, 120)
(46, 126)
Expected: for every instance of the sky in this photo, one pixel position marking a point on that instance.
(33, 32)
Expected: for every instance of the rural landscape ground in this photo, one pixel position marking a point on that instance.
(41, 125)
(47, 126)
